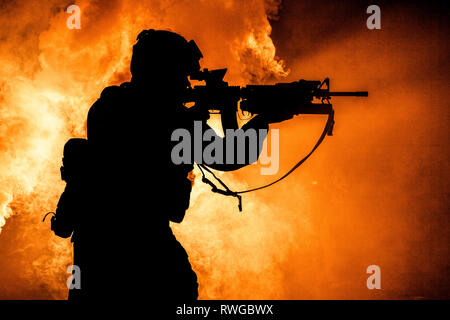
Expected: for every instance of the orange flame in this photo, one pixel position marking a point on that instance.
(370, 195)
(49, 86)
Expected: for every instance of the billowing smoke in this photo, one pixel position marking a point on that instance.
(374, 193)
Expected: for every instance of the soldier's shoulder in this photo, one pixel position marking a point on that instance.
(110, 91)
(114, 92)
(110, 96)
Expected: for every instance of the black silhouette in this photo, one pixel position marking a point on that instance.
(122, 187)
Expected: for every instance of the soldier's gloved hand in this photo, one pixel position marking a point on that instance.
(197, 112)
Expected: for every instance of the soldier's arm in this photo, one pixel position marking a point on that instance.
(258, 126)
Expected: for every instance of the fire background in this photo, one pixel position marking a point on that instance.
(376, 193)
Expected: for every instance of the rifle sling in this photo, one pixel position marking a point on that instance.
(227, 192)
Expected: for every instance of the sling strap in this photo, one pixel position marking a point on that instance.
(328, 130)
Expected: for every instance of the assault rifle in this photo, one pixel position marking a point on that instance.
(298, 97)
(281, 100)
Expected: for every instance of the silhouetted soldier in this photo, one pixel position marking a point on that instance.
(122, 239)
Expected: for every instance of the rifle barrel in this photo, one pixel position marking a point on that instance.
(348, 94)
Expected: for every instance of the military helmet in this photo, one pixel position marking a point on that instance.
(161, 51)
